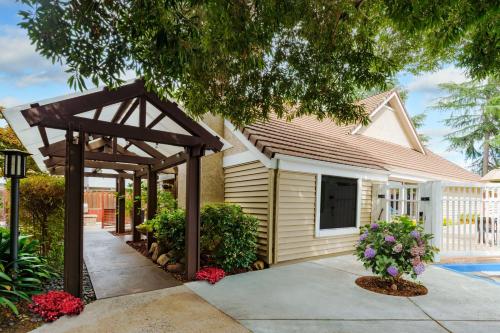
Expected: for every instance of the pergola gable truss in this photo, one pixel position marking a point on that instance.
(98, 147)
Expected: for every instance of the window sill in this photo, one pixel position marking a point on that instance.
(336, 232)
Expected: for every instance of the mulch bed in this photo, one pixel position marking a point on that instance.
(140, 246)
(27, 321)
(404, 288)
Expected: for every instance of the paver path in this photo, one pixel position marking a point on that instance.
(116, 269)
(321, 296)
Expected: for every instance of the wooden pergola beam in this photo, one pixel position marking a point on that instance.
(121, 110)
(105, 128)
(178, 116)
(169, 162)
(130, 111)
(117, 158)
(147, 149)
(92, 101)
(60, 161)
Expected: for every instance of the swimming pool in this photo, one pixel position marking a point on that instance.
(485, 271)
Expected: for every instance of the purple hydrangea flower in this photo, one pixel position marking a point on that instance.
(390, 239)
(374, 226)
(415, 234)
(370, 253)
(397, 248)
(363, 236)
(393, 271)
(419, 269)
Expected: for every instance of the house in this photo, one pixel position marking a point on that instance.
(312, 183)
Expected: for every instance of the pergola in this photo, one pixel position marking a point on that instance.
(118, 133)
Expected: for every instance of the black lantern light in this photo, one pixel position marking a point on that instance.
(14, 163)
(14, 168)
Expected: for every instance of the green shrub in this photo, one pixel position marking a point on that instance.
(394, 249)
(31, 272)
(170, 231)
(229, 235)
(42, 214)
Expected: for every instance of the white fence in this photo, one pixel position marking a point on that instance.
(463, 217)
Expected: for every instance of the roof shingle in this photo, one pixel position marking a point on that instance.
(310, 138)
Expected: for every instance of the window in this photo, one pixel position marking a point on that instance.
(402, 199)
(338, 203)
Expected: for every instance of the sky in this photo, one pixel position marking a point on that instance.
(25, 76)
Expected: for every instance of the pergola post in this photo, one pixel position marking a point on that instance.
(73, 219)
(120, 205)
(152, 193)
(192, 238)
(137, 209)
(152, 199)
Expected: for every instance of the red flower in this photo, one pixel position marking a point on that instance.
(55, 304)
(210, 274)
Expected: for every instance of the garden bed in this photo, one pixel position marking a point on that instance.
(383, 286)
(27, 321)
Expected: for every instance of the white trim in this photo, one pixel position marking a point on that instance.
(380, 107)
(319, 233)
(239, 158)
(300, 164)
(410, 124)
(269, 163)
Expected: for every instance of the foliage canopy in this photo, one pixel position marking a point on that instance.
(244, 60)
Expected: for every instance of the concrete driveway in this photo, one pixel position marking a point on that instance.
(321, 296)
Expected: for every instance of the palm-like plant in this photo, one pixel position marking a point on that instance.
(32, 270)
(475, 118)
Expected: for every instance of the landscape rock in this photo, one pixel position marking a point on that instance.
(163, 259)
(156, 254)
(153, 247)
(175, 268)
(258, 265)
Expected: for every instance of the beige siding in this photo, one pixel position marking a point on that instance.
(250, 186)
(295, 219)
(366, 202)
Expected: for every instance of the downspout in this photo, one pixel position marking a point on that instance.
(275, 210)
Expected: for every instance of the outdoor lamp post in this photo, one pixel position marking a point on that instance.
(15, 168)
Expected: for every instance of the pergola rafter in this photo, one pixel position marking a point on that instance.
(96, 146)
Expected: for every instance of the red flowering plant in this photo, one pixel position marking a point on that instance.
(210, 274)
(55, 304)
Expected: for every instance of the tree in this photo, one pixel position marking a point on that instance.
(474, 109)
(418, 121)
(244, 60)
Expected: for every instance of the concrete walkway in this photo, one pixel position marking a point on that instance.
(321, 296)
(174, 310)
(116, 269)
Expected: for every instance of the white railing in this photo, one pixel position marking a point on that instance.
(470, 215)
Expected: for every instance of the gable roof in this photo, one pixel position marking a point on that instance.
(374, 105)
(310, 138)
(492, 176)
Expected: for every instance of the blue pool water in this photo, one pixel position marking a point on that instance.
(487, 271)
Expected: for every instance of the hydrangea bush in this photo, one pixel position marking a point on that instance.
(397, 248)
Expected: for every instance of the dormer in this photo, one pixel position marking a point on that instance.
(390, 122)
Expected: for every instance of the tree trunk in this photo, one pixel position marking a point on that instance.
(486, 153)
